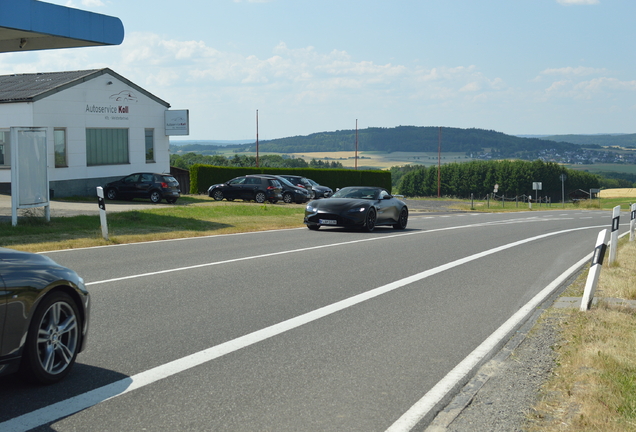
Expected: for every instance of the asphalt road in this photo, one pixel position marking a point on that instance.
(297, 330)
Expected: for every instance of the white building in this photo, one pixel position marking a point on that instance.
(100, 127)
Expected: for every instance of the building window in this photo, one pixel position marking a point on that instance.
(5, 140)
(106, 147)
(150, 145)
(59, 138)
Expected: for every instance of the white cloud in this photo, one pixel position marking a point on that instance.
(580, 71)
(578, 2)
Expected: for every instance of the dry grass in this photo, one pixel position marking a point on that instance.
(594, 383)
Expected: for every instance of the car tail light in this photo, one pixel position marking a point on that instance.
(164, 185)
(270, 188)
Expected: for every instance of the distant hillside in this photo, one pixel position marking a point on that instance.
(621, 140)
(175, 142)
(415, 139)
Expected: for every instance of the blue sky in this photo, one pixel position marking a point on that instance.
(514, 66)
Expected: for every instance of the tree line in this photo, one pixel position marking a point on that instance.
(185, 161)
(513, 177)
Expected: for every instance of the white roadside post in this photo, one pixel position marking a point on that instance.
(632, 223)
(595, 271)
(616, 215)
(102, 211)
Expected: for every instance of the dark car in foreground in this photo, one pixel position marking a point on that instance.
(363, 207)
(316, 190)
(44, 314)
(290, 192)
(248, 188)
(144, 185)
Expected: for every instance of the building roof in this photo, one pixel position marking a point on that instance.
(27, 25)
(31, 87)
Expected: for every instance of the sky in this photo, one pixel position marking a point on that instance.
(521, 67)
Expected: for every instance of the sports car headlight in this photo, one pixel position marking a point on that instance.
(357, 210)
(311, 209)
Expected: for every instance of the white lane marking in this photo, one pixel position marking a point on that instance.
(459, 373)
(77, 403)
(271, 254)
(435, 396)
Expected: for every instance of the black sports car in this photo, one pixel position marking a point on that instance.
(44, 315)
(357, 206)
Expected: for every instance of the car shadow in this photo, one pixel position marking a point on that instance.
(18, 397)
(377, 230)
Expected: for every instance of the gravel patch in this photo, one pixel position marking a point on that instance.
(501, 395)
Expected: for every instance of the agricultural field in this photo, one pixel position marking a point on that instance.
(605, 167)
(618, 193)
(375, 160)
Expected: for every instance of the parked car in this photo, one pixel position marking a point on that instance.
(248, 188)
(317, 191)
(44, 311)
(364, 207)
(291, 193)
(144, 185)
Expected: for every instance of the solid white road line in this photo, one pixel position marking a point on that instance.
(85, 400)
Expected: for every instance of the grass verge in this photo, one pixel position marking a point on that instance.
(194, 218)
(593, 387)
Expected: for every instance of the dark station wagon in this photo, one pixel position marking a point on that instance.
(144, 185)
(248, 188)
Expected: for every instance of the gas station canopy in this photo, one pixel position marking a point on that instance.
(27, 25)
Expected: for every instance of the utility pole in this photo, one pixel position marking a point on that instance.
(356, 144)
(256, 138)
(439, 163)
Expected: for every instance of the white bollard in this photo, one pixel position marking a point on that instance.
(102, 211)
(616, 215)
(632, 223)
(595, 271)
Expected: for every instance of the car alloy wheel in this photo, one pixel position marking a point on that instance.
(370, 220)
(53, 340)
(111, 194)
(259, 197)
(155, 197)
(287, 197)
(217, 195)
(402, 219)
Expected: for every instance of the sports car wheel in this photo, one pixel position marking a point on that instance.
(53, 340)
(402, 219)
(111, 194)
(259, 197)
(217, 195)
(369, 223)
(313, 227)
(155, 197)
(287, 197)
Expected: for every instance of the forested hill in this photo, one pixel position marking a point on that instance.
(415, 139)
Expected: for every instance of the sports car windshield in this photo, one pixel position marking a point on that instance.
(356, 193)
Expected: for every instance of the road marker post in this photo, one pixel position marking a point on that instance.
(632, 222)
(102, 211)
(595, 271)
(616, 216)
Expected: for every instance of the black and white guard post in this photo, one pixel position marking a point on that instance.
(102, 211)
(632, 222)
(595, 271)
(616, 216)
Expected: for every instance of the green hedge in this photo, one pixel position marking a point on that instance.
(203, 176)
